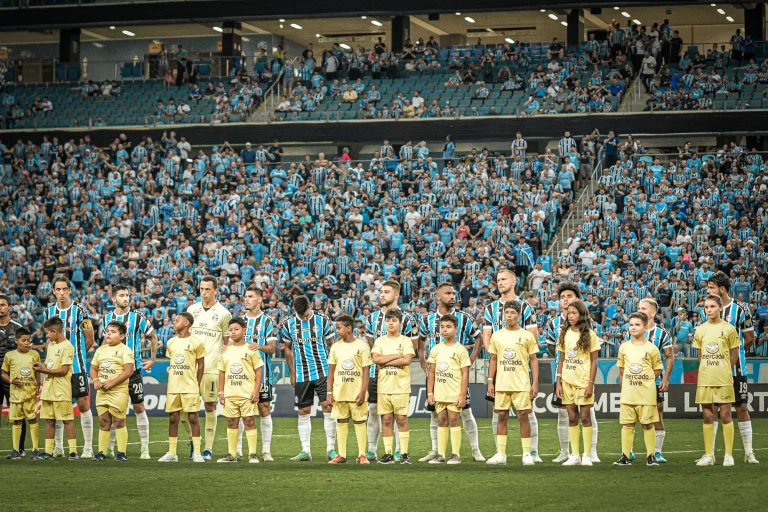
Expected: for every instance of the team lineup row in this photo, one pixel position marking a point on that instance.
(216, 358)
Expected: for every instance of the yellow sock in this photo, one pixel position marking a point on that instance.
(16, 434)
(361, 433)
(405, 438)
(342, 431)
(728, 437)
(103, 440)
(121, 439)
(573, 435)
(456, 440)
(388, 444)
(709, 436)
(442, 440)
(526, 442)
(49, 446)
(501, 444)
(650, 441)
(231, 441)
(196, 445)
(34, 433)
(210, 429)
(172, 442)
(72, 445)
(586, 433)
(252, 436)
(627, 437)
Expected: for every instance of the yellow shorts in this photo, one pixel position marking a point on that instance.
(575, 396)
(185, 402)
(344, 410)
(715, 395)
(451, 406)
(61, 411)
(239, 408)
(113, 403)
(644, 414)
(209, 387)
(397, 404)
(23, 410)
(505, 400)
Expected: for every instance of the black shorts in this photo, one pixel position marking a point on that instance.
(265, 392)
(373, 391)
(556, 402)
(79, 385)
(136, 388)
(305, 392)
(431, 408)
(740, 389)
(659, 395)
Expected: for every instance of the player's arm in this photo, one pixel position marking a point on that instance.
(200, 369)
(153, 345)
(124, 375)
(430, 385)
(364, 387)
(734, 356)
(462, 401)
(477, 348)
(620, 364)
(534, 363)
(669, 357)
(492, 375)
(94, 374)
(422, 353)
(222, 374)
(329, 382)
(487, 332)
(749, 338)
(288, 351)
(5, 377)
(87, 327)
(592, 374)
(559, 374)
(551, 339)
(257, 386)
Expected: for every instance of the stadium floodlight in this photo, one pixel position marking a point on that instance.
(281, 20)
(729, 19)
(625, 14)
(364, 17)
(510, 40)
(345, 46)
(721, 11)
(636, 22)
(111, 27)
(543, 10)
(296, 26)
(128, 33)
(458, 14)
(318, 35)
(218, 29)
(564, 23)
(376, 22)
(553, 16)
(469, 19)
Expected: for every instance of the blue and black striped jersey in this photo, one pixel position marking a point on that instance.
(493, 315)
(376, 327)
(262, 329)
(136, 324)
(76, 321)
(737, 314)
(429, 329)
(309, 340)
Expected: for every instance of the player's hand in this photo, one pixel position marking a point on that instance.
(431, 399)
(147, 365)
(223, 348)
(461, 402)
(590, 390)
(559, 390)
(255, 396)
(361, 398)
(664, 385)
(329, 398)
(38, 367)
(106, 385)
(253, 346)
(97, 385)
(17, 382)
(534, 390)
(221, 399)
(293, 381)
(491, 389)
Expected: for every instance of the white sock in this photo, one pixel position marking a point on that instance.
(396, 433)
(59, 436)
(266, 433)
(494, 425)
(86, 424)
(714, 438)
(594, 431)
(433, 431)
(745, 429)
(305, 432)
(330, 431)
(240, 430)
(111, 445)
(374, 427)
(142, 425)
(562, 430)
(534, 431)
(470, 427)
(660, 434)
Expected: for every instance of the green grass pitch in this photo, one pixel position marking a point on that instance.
(139, 485)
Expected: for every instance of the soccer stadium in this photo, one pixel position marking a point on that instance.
(493, 235)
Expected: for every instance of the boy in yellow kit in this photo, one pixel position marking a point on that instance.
(393, 354)
(349, 363)
(447, 383)
(111, 367)
(18, 371)
(185, 372)
(639, 364)
(57, 387)
(239, 381)
(513, 366)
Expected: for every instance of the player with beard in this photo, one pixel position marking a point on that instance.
(493, 320)
(376, 327)
(468, 335)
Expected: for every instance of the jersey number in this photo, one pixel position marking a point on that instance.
(138, 388)
(742, 388)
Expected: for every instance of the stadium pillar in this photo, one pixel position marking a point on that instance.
(754, 21)
(575, 27)
(401, 30)
(231, 39)
(69, 45)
